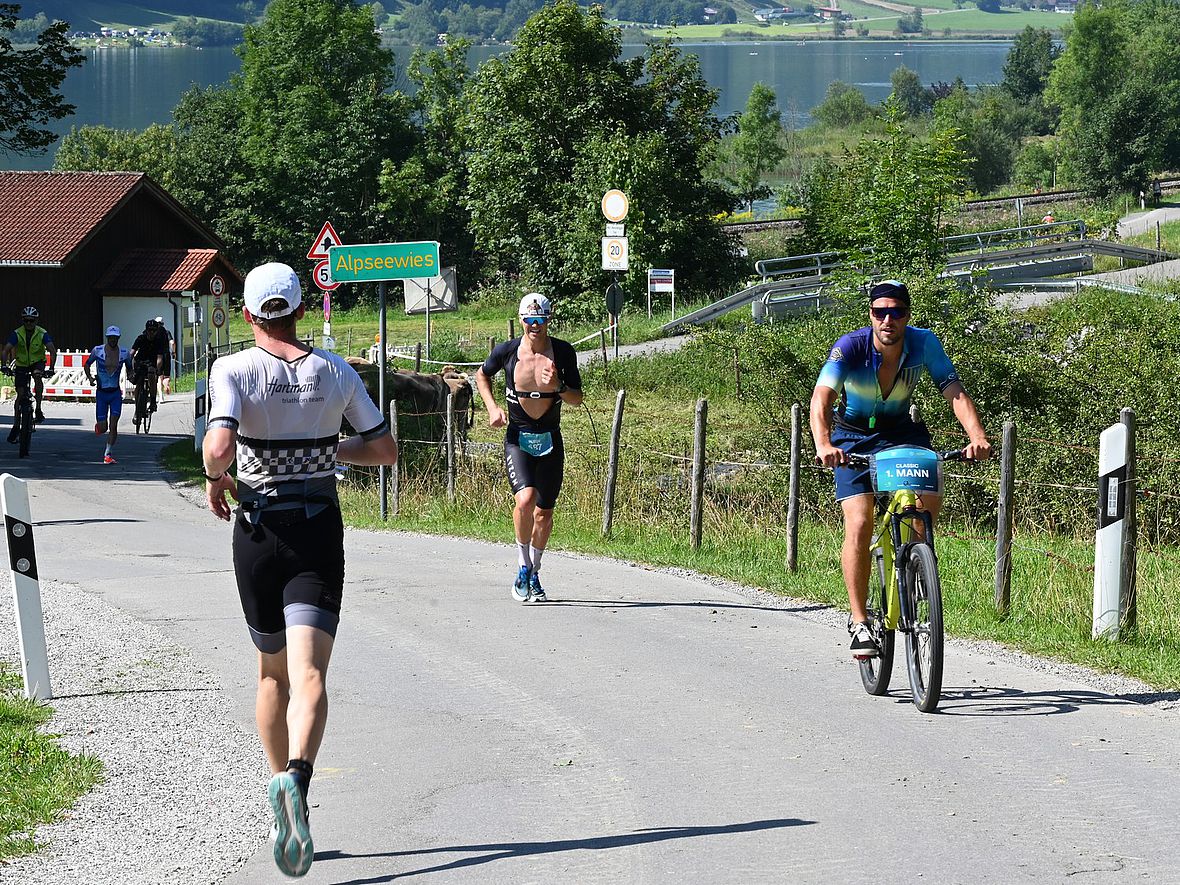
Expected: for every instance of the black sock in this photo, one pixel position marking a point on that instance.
(300, 770)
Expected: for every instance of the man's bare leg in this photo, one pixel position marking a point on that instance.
(854, 555)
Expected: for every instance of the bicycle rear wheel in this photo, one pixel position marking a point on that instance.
(141, 411)
(146, 424)
(924, 642)
(875, 673)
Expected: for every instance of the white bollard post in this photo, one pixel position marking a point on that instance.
(26, 589)
(1112, 528)
(200, 401)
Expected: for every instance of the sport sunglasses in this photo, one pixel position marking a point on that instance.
(534, 321)
(898, 313)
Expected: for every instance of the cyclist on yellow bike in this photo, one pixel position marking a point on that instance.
(27, 346)
(874, 371)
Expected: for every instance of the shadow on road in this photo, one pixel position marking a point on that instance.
(88, 522)
(118, 691)
(984, 701)
(653, 603)
(505, 850)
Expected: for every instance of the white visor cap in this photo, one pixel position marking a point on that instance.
(535, 305)
(267, 282)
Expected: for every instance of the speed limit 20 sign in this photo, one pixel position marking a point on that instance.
(323, 278)
(614, 253)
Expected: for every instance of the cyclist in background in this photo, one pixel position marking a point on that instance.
(26, 346)
(169, 356)
(874, 371)
(147, 355)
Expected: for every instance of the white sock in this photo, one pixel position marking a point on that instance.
(536, 554)
(522, 555)
(108, 451)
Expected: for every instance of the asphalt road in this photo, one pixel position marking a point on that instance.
(642, 727)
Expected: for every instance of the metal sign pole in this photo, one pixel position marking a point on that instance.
(428, 319)
(26, 587)
(382, 470)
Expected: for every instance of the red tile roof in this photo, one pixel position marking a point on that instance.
(44, 216)
(157, 270)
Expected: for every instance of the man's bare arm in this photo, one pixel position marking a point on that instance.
(963, 406)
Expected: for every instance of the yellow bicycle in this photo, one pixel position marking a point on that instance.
(904, 589)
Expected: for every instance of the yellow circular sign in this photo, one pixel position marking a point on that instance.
(615, 205)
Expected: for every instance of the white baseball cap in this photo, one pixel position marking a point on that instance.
(535, 304)
(160, 320)
(269, 281)
(114, 330)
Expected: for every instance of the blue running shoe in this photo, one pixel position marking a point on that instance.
(293, 849)
(536, 591)
(520, 587)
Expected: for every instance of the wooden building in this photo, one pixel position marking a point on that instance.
(88, 249)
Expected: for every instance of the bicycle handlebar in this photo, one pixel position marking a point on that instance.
(857, 460)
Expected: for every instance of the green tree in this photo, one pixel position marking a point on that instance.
(30, 80)
(562, 118)
(884, 201)
(317, 120)
(756, 149)
(912, 97)
(1118, 86)
(843, 105)
(1029, 62)
(102, 149)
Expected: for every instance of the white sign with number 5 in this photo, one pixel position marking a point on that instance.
(323, 278)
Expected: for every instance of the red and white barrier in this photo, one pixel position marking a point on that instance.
(69, 380)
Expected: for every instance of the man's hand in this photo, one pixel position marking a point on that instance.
(978, 450)
(496, 416)
(548, 372)
(215, 493)
(89, 380)
(830, 456)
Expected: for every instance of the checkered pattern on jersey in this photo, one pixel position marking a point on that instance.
(287, 458)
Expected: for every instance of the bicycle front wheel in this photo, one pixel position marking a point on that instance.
(924, 640)
(26, 429)
(141, 410)
(875, 673)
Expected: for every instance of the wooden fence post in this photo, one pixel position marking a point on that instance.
(491, 343)
(793, 499)
(612, 465)
(451, 447)
(1004, 521)
(418, 357)
(511, 328)
(602, 340)
(698, 473)
(1130, 603)
(737, 374)
(393, 479)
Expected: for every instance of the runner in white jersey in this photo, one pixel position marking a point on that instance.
(278, 407)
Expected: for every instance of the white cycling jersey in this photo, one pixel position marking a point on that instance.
(287, 415)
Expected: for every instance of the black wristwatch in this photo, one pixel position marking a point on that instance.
(562, 389)
(213, 478)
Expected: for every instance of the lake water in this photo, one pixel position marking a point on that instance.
(132, 88)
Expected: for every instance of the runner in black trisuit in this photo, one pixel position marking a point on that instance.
(540, 374)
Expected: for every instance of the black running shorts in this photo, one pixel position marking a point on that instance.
(290, 572)
(544, 473)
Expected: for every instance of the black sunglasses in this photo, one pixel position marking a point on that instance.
(898, 313)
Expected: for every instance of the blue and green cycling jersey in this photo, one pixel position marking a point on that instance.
(851, 371)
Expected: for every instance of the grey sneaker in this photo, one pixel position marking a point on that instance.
(293, 849)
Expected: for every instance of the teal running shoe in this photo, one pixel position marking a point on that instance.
(536, 591)
(520, 587)
(293, 849)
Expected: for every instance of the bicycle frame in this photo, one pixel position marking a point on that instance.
(894, 533)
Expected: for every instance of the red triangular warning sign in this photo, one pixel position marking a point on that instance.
(327, 239)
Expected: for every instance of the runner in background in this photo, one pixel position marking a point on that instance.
(108, 360)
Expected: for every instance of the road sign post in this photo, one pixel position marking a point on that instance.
(661, 280)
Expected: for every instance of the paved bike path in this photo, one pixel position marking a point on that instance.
(644, 727)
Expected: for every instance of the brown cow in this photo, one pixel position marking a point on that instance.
(422, 399)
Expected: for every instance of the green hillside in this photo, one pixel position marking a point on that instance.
(90, 15)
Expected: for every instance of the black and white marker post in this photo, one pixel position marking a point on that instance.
(26, 589)
(1109, 547)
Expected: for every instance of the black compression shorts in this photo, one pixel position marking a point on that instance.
(543, 473)
(290, 572)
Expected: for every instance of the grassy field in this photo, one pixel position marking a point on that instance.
(38, 779)
(1169, 238)
(882, 22)
(744, 516)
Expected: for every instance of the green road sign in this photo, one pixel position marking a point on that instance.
(383, 261)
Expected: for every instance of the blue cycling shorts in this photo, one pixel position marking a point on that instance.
(853, 481)
(108, 401)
